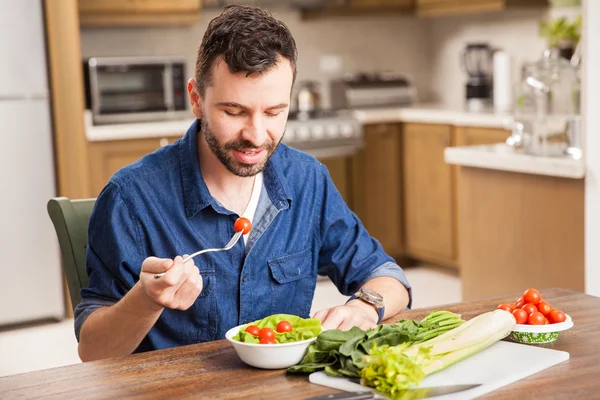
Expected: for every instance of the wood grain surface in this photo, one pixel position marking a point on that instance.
(213, 370)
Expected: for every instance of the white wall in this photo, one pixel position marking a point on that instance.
(514, 31)
(591, 114)
(367, 43)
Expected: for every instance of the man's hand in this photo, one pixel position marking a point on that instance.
(354, 313)
(178, 288)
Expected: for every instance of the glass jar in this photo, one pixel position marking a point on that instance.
(547, 107)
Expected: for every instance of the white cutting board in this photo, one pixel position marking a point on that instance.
(499, 365)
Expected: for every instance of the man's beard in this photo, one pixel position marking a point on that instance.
(221, 150)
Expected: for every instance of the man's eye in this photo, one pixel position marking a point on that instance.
(234, 114)
(272, 114)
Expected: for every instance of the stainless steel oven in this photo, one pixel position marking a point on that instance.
(135, 89)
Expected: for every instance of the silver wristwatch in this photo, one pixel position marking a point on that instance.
(371, 297)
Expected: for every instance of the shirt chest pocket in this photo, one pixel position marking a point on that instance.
(292, 285)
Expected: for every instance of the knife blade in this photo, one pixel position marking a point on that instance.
(416, 393)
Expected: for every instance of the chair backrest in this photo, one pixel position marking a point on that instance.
(71, 219)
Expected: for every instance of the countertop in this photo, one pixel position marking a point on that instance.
(418, 113)
(503, 157)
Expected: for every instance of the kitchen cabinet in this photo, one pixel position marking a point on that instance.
(519, 230)
(360, 7)
(473, 136)
(138, 12)
(107, 157)
(378, 186)
(430, 228)
(435, 8)
(340, 170)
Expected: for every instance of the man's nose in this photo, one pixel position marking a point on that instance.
(255, 131)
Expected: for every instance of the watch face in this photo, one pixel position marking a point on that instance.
(372, 296)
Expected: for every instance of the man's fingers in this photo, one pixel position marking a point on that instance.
(155, 265)
(333, 320)
(194, 283)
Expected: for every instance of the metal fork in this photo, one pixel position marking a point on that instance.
(228, 246)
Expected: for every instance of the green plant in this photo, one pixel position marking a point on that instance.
(560, 32)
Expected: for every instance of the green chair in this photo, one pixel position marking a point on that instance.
(71, 219)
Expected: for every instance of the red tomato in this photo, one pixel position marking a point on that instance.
(505, 307)
(266, 334)
(529, 308)
(242, 224)
(284, 326)
(520, 316)
(536, 318)
(544, 308)
(532, 296)
(557, 316)
(519, 302)
(266, 341)
(513, 306)
(253, 330)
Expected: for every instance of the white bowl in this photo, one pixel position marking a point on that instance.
(269, 356)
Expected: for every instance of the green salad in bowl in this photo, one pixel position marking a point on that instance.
(277, 341)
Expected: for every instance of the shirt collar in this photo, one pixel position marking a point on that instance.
(196, 195)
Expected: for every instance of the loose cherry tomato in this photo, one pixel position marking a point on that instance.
(557, 316)
(544, 308)
(519, 302)
(532, 296)
(505, 307)
(529, 308)
(284, 326)
(242, 224)
(520, 315)
(266, 334)
(266, 341)
(253, 330)
(536, 318)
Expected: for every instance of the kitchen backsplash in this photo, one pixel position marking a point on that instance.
(425, 50)
(514, 31)
(387, 43)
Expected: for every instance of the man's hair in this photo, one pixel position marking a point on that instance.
(249, 39)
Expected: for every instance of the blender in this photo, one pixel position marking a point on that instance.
(476, 61)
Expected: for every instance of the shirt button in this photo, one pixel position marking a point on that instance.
(244, 279)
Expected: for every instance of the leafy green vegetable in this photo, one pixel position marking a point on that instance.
(302, 329)
(340, 353)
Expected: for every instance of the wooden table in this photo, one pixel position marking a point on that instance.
(213, 370)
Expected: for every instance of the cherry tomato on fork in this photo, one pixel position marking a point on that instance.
(242, 224)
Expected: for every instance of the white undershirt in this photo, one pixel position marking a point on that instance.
(253, 203)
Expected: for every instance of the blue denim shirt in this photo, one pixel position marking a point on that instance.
(160, 206)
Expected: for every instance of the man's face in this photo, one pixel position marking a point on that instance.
(243, 117)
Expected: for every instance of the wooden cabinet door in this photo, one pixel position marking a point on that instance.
(455, 7)
(340, 169)
(108, 157)
(380, 3)
(138, 12)
(379, 199)
(429, 210)
(473, 136)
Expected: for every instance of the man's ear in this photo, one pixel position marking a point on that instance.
(195, 99)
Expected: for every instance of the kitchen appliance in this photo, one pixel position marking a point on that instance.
(547, 115)
(477, 62)
(499, 365)
(324, 133)
(135, 89)
(365, 90)
(31, 264)
(308, 97)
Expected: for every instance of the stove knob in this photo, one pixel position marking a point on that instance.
(303, 133)
(332, 131)
(318, 132)
(347, 130)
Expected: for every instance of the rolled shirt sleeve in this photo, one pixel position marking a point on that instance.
(348, 254)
